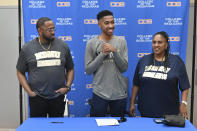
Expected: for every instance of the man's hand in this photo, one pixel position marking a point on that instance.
(32, 94)
(62, 91)
(107, 48)
(132, 110)
(183, 110)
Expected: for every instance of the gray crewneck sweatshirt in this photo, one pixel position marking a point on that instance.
(108, 82)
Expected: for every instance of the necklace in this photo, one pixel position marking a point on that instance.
(43, 46)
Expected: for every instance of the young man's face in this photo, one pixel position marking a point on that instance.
(107, 25)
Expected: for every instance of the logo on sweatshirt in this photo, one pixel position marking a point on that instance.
(156, 72)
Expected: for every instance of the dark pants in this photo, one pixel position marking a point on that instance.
(40, 107)
(100, 107)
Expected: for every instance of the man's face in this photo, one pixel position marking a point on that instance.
(107, 25)
(47, 31)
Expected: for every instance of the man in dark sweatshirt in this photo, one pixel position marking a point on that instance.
(49, 64)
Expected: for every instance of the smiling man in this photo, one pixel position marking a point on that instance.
(49, 63)
(106, 58)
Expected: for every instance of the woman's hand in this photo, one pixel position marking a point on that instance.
(183, 110)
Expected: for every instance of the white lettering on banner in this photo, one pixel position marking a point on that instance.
(71, 115)
(73, 87)
(47, 54)
(64, 21)
(86, 102)
(139, 55)
(71, 52)
(88, 37)
(90, 4)
(175, 53)
(145, 4)
(33, 36)
(37, 4)
(120, 21)
(144, 38)
(44, 63)
(173, 21)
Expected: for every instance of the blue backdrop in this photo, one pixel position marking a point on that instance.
(136, 20)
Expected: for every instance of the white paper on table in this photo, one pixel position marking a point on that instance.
(107, 122)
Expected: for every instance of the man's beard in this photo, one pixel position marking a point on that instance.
(47, 38)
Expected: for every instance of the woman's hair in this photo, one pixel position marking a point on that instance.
(167, 51)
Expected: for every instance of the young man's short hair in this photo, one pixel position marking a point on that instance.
(103, 13)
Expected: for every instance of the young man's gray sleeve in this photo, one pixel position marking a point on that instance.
(92, 60)
(121, 57)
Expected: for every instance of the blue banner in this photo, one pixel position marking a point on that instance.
(136, 20)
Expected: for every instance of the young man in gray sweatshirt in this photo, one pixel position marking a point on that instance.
(106, 58)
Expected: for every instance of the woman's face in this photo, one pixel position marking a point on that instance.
(159, 45)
